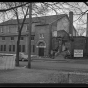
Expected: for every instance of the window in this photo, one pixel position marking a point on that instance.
(13, 48)
(32, 37)
(1, 30)
(12, 38)
(1, 47)
(41, 35)
(19, 48)
(4, 47)
(9, 47)
(3, 38)
(21, 38)
(23, 48)
(33, 48)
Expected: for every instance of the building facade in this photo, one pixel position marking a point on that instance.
(43, 29)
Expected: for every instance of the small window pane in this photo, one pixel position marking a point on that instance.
(23, 48)
(1, 47)
(9, 47)
(4, 47)
(13, 48)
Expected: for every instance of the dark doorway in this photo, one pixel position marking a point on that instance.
(41, 51)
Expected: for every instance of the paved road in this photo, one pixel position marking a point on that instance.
(57, 65)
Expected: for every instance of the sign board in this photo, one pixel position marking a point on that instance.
(78, 53)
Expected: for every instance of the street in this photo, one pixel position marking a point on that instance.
(58, 65)
(47, 71)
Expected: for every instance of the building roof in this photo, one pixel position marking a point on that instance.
(43, 19)
(40, 20)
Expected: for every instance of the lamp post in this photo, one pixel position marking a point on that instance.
(29, 36)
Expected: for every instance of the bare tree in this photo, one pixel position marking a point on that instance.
(20, 25)
(79, 9)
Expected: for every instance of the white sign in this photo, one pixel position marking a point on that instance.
(78, 53)
(55, 33)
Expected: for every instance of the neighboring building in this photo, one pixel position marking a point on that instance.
(43, 29)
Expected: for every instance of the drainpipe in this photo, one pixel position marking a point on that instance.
(87, 27)
(87, 37)
(71, 23)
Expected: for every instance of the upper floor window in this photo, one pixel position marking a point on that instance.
(12, 38)
(21, 38)
(41, 35)
(32, 37)
(3, 38)
(1, 30)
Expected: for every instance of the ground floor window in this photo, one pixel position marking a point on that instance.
(9, 47)
(13, 48)
(21, 48)
(2, 47)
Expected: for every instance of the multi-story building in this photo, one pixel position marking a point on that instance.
(43, 29)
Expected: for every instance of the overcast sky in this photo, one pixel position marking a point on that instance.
(82, 6)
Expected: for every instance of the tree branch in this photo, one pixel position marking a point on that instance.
(4, 10)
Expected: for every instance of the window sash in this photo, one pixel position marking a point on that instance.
(4, 47)
(13, 48)
(23, 48)
(9, 47)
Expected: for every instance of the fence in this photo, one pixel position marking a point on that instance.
(7, 62)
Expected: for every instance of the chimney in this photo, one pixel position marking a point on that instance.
(71, 23)
(87, 27)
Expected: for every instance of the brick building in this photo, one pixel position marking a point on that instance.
(43, 29)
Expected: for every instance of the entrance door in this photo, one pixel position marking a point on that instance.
(41, 51)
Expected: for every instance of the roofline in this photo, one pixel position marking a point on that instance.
(15, 34)
(57, 20)
(2, 24)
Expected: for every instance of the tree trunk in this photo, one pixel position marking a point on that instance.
(17, 51)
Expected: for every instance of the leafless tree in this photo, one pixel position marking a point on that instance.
(42, 9)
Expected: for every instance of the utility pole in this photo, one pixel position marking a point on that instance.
(29, 36)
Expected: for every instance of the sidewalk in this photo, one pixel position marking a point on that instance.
(44, 72)
(60, 58)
